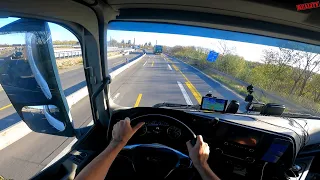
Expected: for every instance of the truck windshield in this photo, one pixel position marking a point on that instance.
(180, 64)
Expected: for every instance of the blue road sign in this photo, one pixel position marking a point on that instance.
(212, 56)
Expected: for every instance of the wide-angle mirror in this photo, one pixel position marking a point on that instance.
(29, 76)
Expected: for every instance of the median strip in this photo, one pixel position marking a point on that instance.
(121, 69)
(117, 63)
(138, 100)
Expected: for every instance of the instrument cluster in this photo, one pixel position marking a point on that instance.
(157, 127)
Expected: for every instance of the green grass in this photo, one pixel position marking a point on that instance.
(306, 103)
(69, 62)
(242, 90)
(232, 85)
(201, 65)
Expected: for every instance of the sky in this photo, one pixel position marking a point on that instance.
(57, 32)
(250, 51)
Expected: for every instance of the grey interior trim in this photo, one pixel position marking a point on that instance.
(221, 22)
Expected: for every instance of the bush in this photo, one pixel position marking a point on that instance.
(275, 78)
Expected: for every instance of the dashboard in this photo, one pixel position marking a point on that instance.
(239, 145)
(161, 128)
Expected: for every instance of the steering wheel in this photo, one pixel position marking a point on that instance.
(157, 160)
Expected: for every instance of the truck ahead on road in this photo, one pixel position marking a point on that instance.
(157, 49)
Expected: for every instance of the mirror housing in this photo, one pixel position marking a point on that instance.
(29, 76)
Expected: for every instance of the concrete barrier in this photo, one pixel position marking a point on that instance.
(121, 69)
(20, 129)
(115, 56)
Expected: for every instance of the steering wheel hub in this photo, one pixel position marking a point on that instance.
(156, 160)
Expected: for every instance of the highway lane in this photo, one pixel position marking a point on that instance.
(204, 84)
(27, 156)
(154, 79)
(71, 81)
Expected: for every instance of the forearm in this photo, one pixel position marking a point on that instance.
(99, 166)
(206, 173)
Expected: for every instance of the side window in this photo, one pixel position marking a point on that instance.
(30, 95)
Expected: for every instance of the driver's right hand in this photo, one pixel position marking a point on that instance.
(199, 153)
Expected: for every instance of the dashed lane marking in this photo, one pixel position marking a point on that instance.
(145, 63)
(5, 107)
(138, 100)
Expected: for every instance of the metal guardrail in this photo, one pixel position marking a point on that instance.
(61, 54)
(67, 54)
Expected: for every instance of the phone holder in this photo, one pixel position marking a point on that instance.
(233, 107)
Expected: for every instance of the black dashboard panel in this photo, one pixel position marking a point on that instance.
(236, 150)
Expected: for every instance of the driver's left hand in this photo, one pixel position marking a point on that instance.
(122, 131)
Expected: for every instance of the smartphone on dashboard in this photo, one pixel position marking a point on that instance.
(213, 104)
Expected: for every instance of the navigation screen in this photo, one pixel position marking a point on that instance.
(213, 104)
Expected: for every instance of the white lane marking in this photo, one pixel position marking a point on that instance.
(169, 67)
(145, 63)
(185, 94)
(115, 97)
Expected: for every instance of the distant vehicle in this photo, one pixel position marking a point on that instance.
(17, 55)
(157, 49)
(136, 47)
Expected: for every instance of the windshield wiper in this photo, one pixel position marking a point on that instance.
(173, 105)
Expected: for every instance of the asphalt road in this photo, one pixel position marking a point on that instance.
(71, 81)
(162, 79)
(154, 79)
(27, 156)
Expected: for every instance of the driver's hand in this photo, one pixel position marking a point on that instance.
(199, 153)
(122, 131)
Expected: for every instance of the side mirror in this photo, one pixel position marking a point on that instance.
(29, 77)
